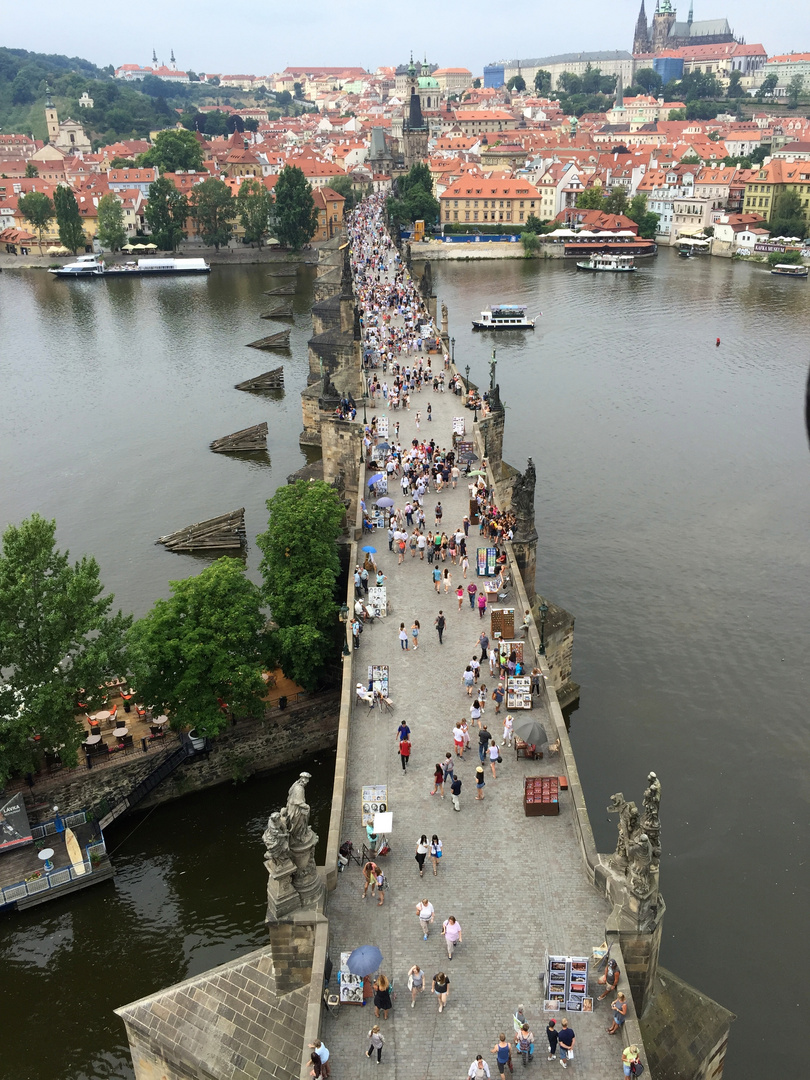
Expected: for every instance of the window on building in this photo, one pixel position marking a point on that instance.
(521, 215)
(466, 215)
(455, 215)
(475, 215)
(509, 215)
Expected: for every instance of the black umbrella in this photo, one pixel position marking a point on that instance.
(365, 960)
(530, 730)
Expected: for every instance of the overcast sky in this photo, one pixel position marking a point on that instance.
(256, 37)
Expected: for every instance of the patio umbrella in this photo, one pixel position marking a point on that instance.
(139, 247)
(150, 247)
(477, 472)
(365, 960)
(375, 478)
(383, 446)
(530, 730)
(385, 501)
(371, 549)
(127, 247)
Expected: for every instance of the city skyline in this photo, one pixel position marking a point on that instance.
(454, 36)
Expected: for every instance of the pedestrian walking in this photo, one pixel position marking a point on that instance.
(619, 1007)
(380, 877)
(524, 1042)
(404, 753)
(493, 661)
(421, 853)
(382, 996)
(494, 758)
(415, 634)
(370, 871)
(609, 978)
(483, 644)
(472, 589)
(435, 853)
(497, 697)
(484, 737)
(426, 913)
(480, 783)
(375, 1042)
(631, 1061)
(503, 1054)
(440, 985)
(403, 637)
(551, 1035)
(439, 512)
(455, 791)
(475, 713)
(458, 740)
(460, 596)
(438, 780)
(403, 731)
(507, 730)
(416, 982)
(451, 929)
(448, 768)
(467, 679)
(479, 1070)
(566, 1039)
(482, 604)
(476, 668)
(315, 1066)
(323, 1057)
(437, 578)
(440, 624)
(448, 579)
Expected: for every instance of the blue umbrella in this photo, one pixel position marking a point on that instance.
(365, 960)
(383, 446)
(375, 478)
(371, 549)
(385, 502)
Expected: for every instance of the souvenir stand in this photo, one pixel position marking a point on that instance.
(378, 678)
(377, 602)
(458, 425)
(486, 564)
(351, 986)
(375, 801)
(518, 692)
(502, 623)
(567, 984)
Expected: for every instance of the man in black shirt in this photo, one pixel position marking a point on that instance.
(483, 742)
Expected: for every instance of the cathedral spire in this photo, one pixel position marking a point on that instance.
(641, 38)
(691, 16)
(154, 56)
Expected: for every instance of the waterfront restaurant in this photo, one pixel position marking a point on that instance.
(586, 241)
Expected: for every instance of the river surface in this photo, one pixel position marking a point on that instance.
(673, 510)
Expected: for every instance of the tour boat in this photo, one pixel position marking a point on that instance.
(607, 263)
(504, 317)
(790, 270)
(94, 266)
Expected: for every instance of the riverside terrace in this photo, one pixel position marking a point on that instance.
(516, 884)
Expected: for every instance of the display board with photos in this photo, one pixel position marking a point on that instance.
(507, 647)
(377, 601)
(486, 563)
(351, 986)
(382, 427)
(378, 678)
(458, 425)
(502, 622)
(375, 801)
(518, 692)
(567, 984)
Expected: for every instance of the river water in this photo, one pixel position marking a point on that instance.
(672, 509)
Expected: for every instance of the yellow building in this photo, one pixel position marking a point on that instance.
(768, 183)
(489, 201)
(329, 204)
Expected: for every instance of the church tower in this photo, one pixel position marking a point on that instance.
(51, 119)
(641, 38)
(663, 21)
(173, 62)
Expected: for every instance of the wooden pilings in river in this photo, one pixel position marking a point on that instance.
(282, 290)
(223, 532)
(280, 311)
(250, 438)
(281, 340)
(270, 380)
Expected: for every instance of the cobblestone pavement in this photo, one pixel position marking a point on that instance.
(515, 884)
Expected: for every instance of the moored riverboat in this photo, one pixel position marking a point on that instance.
(94, 266)
(607, 262)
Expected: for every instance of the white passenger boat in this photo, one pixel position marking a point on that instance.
(606, 263)
(790, 270)
(94, 266)
(504, 317)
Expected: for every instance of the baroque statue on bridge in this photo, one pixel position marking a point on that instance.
(638, 847)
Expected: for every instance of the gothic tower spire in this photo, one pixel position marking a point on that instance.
(641, 38)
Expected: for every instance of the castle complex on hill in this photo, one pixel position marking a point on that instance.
(667, 33)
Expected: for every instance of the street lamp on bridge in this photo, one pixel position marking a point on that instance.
(543, 613)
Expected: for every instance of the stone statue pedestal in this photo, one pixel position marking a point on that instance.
(306, 882)
(282, 897)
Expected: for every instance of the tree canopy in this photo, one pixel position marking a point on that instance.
(207, 643)
(296, 218)
(173, 150)
(38, 210)
(213, 210)
(111, 232)
(542, 82)
(786, 218)
(300, 569)
(254, 207)
(166, 213)
(414, 200)
(57, 639)
(71, 231)
(646, 220)
(516, 83)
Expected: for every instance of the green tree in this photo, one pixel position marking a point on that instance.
(254, 207)
(516, 83)
(734, 89)
(111, 232)
(542, 82)
(343, 186)
(38, 210)
(416, 201)
(476, 84)
(569, 83)
(767, 86)
(592, 198)
(677, 114)
(206, 642)
(616, 200)
(296, 219)
(646, 220)
(234, 123)
(173, 150)
(786, 217)
(71, 232)
(251, 124)
(533, 224)
(122, 163)
(166, 213)
(298, 91)
(794, 90)
(300, 569)
(531, 244)
(56, 636)
(649, 81)
(212, 207)
(31, 170)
